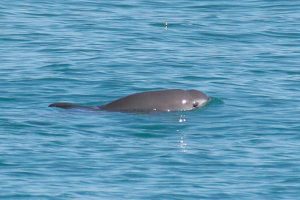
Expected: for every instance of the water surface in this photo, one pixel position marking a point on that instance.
(244, 145)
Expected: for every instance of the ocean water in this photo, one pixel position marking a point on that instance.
(244, 145)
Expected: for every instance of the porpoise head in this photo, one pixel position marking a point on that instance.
(196, 99)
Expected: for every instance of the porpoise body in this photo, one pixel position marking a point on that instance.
(152, 101)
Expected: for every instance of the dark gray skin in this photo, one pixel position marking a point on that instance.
(153, 101)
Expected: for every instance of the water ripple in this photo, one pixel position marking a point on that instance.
(243, 145)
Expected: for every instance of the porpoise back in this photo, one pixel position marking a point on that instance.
(152, 101)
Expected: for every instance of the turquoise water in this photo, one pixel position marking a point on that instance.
(244, 145)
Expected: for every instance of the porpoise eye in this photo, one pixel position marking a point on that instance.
(195, 104)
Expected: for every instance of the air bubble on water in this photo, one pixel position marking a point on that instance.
(182, 119)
